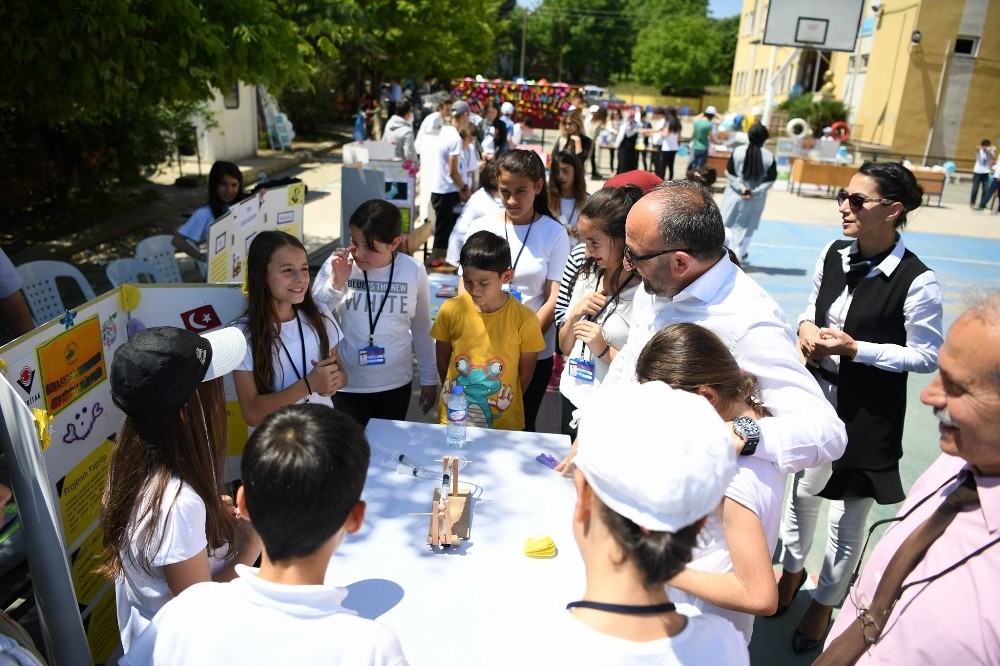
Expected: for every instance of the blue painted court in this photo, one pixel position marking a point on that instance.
(782, 259)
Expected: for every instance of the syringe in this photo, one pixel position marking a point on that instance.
(407, 469)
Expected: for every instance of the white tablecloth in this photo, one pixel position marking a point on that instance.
(443, 603)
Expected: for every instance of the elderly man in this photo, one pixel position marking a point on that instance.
(927, 595)
(674, 241)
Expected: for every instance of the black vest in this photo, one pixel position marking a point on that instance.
(871, 402)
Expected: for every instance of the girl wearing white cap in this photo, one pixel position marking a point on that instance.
(635, 526)
(730, 574)
(164, 523)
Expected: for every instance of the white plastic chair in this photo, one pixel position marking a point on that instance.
(42, 292)
(122, 271)
(160, 251)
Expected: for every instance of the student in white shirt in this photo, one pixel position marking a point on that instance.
(730, 574)
(635, 526)
(448, 185)
(484, 201)
(600, 303)
(303, 471)
(164, 522)
(567, 189)
(292, 355)
(985, 156)
(539, 247)
(381, 297)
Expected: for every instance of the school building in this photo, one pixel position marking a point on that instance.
(920, 82)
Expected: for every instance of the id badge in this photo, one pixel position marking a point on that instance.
(513, 292)
(581, 370)
(372, 355)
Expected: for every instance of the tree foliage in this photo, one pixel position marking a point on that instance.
(95, 60)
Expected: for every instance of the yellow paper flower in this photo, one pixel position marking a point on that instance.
(43, 423)
(129, 297)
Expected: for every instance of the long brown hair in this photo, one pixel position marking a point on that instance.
(579, 180)
(191, 445)
(607, 210)
(261, 316)
(688, 356)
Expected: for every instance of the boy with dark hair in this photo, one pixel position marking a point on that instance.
(303, 471)
(487, 341)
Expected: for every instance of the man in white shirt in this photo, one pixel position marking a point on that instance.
(674, 241)
(448, 186)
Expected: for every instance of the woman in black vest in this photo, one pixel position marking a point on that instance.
(873, 316)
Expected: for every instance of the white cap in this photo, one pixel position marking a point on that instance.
(711, 111)
(506, 108)
(659, 457)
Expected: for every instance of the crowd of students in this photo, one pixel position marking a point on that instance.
(654, 319)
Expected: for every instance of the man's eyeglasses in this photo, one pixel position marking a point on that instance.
(631, 258)
(857, 201)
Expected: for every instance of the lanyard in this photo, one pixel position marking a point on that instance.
(302, 341)
(368, 299)
(523, 243)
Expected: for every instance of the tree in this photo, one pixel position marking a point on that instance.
(580, 40)
(680, 46)
(94, 60)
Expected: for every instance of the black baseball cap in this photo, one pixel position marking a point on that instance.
(157, 371)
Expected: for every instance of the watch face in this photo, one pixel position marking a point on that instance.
(747, 426)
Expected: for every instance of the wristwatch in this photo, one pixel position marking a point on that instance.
(748, 430)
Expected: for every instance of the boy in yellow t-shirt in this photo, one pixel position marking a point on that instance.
(487, 341)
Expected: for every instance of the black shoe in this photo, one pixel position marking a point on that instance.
(801, 643)
(781, 610)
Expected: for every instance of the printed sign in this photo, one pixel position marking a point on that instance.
(71, 364)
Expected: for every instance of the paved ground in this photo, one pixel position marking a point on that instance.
(962, 246)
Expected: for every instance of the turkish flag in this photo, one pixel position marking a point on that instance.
(201, 319)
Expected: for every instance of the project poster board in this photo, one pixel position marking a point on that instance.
(61, 372)
(827, 25)
(400, 186)
(357, 186)
(229, 237)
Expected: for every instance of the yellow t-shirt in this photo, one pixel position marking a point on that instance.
(485, 350)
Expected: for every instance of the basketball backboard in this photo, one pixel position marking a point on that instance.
(826, 25)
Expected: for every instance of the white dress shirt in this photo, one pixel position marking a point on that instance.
(805, 430)
(922, 315)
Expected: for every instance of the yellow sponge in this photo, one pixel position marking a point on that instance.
(540, 547)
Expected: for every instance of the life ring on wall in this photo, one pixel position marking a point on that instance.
(797, 128)
(840, 131)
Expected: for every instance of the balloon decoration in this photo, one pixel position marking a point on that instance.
(545, 103)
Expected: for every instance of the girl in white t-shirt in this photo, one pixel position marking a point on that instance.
(731, 573)
(381, 297)
(599, 312)
(165, 524)
(292, 354)
(567, 189)
(539, 247)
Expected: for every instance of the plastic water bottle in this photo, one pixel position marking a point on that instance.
(457, 410)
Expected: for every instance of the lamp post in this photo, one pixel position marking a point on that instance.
(524, 34)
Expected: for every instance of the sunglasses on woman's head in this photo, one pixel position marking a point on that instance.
(857, 201)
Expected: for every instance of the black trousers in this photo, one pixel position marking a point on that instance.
(667, 158)
(392, 404)
(535, 391)
(444, 212)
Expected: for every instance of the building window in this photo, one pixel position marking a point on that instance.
(747, 24)
(232, 97)
(967, 46)
(850, 63)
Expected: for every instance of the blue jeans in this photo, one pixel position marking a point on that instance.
(978, 179)
(988, 192)
(698, 159)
